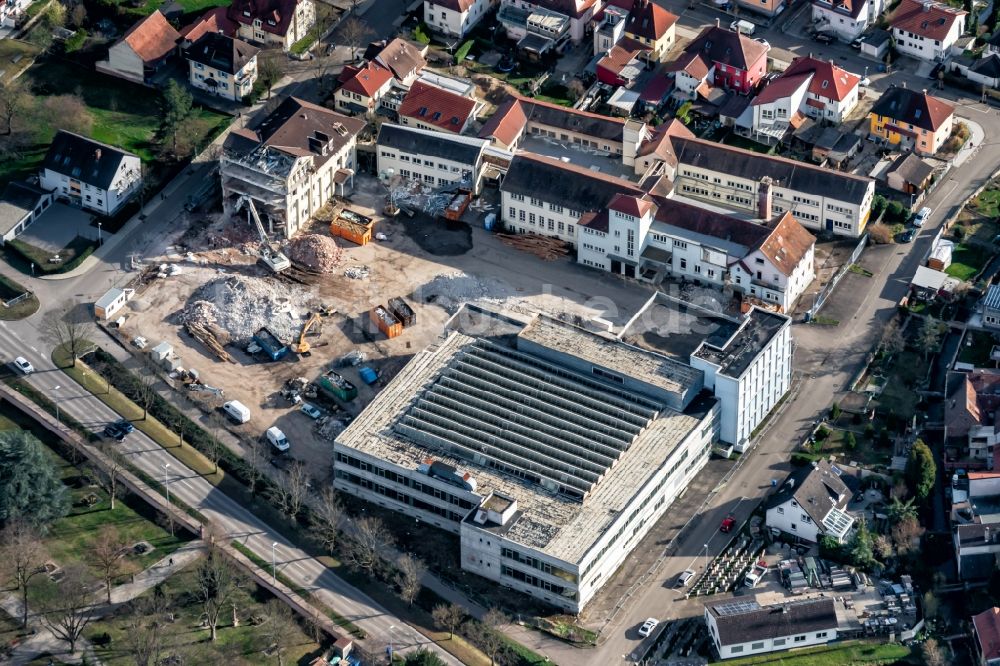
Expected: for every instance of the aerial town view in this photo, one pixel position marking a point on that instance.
(500, 332)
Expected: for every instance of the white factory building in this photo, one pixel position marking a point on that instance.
(437, 159)
(549, 449)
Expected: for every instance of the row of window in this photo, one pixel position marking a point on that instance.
(397, 496)
(777, 642)
(404, 480)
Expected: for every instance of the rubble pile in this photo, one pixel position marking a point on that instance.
(236, 307)
(451, 290)
(316, 252)
(357, 272)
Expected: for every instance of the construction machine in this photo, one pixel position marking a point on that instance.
(274, 259)
(302, 347)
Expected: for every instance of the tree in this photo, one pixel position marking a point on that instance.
(355, 33)
(68, 112)
(215, 447)
(835, 411)
(929, 338)
(921, 470)
(882, 546)
(423, 657)
(255, 457)
(488, 635)
(270, 69)
(448, 616)
(290, 490)
(880, 234)
(66, 607)
(898, 510)
(892, 341)
(145, 391)
(369, 541)
(108, 475)
(278, 629)
(576, 89)
(22, 557)
(327, 518)
(905, 534)
(411, 571)
(930, 604)
(30, 488)
(177, 106)
(932, 653)
(144, 629)
(78, 16)
(108, 554)
(861, 548)
(14, 98)
(850, 441)
(69, 327)
(217, 587)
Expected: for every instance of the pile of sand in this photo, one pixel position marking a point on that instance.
(315, 252)
(238, 306)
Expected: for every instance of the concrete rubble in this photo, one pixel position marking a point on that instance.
(357, 272)
(235, 307)
(315, 252)
(451, 290)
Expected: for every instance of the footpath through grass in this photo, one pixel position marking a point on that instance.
(853, 653)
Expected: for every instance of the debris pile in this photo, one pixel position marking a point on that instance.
(543, 247)
(315, 252)
(451, 290)
(357, 272)
(234, 308)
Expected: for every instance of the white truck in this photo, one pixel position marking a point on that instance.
(755, 575)
(745, 27)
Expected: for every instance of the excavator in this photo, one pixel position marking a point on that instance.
(302, 347)
(274, 259)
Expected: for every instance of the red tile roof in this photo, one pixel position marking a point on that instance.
(728, 47)
(214, 20)
(507, 123)
(928, 19)
(690, 62)
(828, 81)
(515, 113)
(987, 626)
(620, 55)
(648, 19)
(914, 108)
(975, 476)
(460, 6)
(659, 143)
(630, 205)
(780, 88)
(656, 89)
(152, 38)
(368, 79)
(787, 244)
(433, 106)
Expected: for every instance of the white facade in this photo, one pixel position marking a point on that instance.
(926, 48)
(124, 62)
(841, 23)
(462, 166)
(779, 111)
(221, 83)
(450, 21)
(126, 183)
(757, 275)
(610, 30)
(791, 519)
(577, 25)
(10, 10)
(766, 644)
(534, 216)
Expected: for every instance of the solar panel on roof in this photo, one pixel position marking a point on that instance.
(735, 608)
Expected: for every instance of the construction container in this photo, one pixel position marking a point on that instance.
(368, 375)
(336, 386)
(270, 344)
(402, 311)
(386, 322)
(456, 207)
(353, 227)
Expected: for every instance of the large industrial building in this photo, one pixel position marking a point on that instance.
(550, 449)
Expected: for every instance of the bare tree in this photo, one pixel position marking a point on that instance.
(66, 607)
(448, 616)
(68, 326)
(411, 571)
(146, 389)
(78, 16)
(217, 587)
(488, 634)
(256, 459)
(289, 492)
(68, 112)
(108, 554)
(278, 628)
(270, 69)
(108, 475)
(22, 557)
(327, 518)
(369, 541)
(14, 98)
(576, 89)
(905, 535)
(929, 338)
(355, 33)
(892, 341)
(144, 629)
(215, 446)
(932, 653)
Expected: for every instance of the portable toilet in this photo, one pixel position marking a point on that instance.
(368, 375)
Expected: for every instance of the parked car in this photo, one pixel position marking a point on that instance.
(23, 365)
(824, 38)
(684, 578)
(311, 410)
(125, 426)
(907, 236)
(865, 82)
(114, 431)
(277, 439)
(922, 215)
(728, 523)
(856, 44)
(648, 626)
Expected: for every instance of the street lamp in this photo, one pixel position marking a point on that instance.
(166, 487)
(389, 649)
(274, 566)
(706, 556)
(99, 234)
(56, 401)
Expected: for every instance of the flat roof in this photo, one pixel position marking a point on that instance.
(677, 328)
(521, 425)
(736, 354)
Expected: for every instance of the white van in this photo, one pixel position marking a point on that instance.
(237, 411)
(277, 439)
(746, 27)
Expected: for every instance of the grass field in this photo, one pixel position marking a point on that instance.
(978, 353)
(988, 202)
(898, 397)
(853, 653)
(15, 49)
(967, 261)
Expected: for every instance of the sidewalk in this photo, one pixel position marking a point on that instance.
(972, 146)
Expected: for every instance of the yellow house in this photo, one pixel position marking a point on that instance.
(651, 25)
(912, 120)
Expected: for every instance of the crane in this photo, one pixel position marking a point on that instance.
(275, 260)
(302, 347)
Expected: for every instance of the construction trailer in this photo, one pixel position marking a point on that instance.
(386, 322)
(353, 227)
(334, 385)
(402, 311)
(270, 344)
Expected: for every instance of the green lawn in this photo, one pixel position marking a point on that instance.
(186, 638)
(747, 144)
(14, 49)
(69, 257)
(988, 202)
(149, 6)
(978, 353)
(866, 451)
(851, 653)
(967, 261)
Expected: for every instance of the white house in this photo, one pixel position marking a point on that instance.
(847, 19)
(811, 503)
(739, 627)
(977, 547)
(578, 13)
(290, 163)
(221, 65)
(991, 308)
(90, 174)
(455, 18)
(431, 157)
(925, 29)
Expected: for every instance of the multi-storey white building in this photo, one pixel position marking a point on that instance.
(550, 450)
(90, 174)
(431, 157)
(811, 503)
(925, 29)
(740, 628)
(222, 65)
(576, 13)
(290, 164)
(455, 18)
(846, 19)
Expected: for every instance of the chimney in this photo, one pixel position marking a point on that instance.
(764, 209)
(717, 23)
(97, 154)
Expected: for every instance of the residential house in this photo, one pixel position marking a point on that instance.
(768, 8)
(986, 629)
(926, 29)
(692, 75)
(387, 67)
(739, 628)
(21, 205)
(429, 156)
(909, 174)
(912, 120)
(609, 26)
(551, 15)
(90, 174)
(977, 549)
(222, 65)
(991, 308)
(139, 54)
(648, 24)
(455, 18)
(432, 108)
(272, 23)
(810, 504)
(214, 20)
(984, 70)
(362, 88)
(658, 148)
(847, 19)
(623, 63)
(290, 164)
(971, 411)
(728, 58)
(768, 186)
(402, 57)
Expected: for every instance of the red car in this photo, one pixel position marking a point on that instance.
(727, 524)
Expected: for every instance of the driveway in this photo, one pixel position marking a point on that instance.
(58, 226)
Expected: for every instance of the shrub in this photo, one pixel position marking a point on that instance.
(958, 231)
(801, 460)
(822, 433)
(420, 34)
(850, 441)
(880, 234)
(878, 205)
(869, 431)
(463, 51)
(835, 411)
(896, 212)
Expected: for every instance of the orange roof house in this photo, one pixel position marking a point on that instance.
(144, 48)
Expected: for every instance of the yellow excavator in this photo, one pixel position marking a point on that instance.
(303, 347)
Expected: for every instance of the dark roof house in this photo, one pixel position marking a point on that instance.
(727, 47)
(563, 184)
(739, 624)
(816, 489)
(430, 143)
(274, 16)
(85, 160)
(915, 108)
(220, 52)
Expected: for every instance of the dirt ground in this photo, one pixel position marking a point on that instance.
(414, 263)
